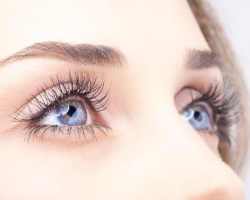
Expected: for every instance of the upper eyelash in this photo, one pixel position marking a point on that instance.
(224, 102)
(84, 85)
(221, 98)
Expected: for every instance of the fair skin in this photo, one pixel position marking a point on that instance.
(150, 152)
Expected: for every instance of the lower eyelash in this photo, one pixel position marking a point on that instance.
(78, 131)
(224, 102)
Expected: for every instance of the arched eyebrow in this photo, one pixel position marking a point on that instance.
(100, 55)
(86, 54)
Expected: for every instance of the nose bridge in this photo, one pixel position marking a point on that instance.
(157, 127)
(154, 107)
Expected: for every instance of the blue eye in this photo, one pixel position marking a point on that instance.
(197, 116)
(67, 113)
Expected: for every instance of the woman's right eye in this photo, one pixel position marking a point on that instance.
(68, 113)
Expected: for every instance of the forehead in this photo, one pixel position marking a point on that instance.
(140, 29)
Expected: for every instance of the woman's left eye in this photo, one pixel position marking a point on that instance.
(68, 113)
(198, 117)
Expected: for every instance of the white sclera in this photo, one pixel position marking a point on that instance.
(52, 118)
(187, 115)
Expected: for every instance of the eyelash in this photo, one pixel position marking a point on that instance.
(224, 103)
(83, 85)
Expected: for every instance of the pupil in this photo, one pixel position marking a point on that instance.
(197, 116)
(71, 112)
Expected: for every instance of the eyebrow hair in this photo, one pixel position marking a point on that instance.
(197, 60)
(86, 54)
(100, 55)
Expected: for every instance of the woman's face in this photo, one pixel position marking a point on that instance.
(132, 119)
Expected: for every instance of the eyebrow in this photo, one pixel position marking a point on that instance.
(100, 55)
(86, 54)
(198, 60)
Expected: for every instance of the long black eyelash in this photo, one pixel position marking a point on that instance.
(224, 102)
(81, 84)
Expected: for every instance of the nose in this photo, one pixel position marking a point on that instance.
(183, 167)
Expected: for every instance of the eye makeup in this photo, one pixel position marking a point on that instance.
(65, 101)
(68, 107)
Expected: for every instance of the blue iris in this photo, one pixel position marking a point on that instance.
(198, 117)
(71, 113)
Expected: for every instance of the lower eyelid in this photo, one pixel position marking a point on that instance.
(45, 132)
(69, 134)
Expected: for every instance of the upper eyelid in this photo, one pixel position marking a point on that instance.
(203, 95)
(80, 82)
(62, 88)
(224, 101)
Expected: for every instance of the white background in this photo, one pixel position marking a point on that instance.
(235, 18)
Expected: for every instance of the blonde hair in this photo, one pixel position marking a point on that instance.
(235, 155)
